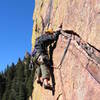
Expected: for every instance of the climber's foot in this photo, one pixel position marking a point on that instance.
(39, 82)
(47, 86)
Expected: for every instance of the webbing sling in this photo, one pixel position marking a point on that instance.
(59, 66)
(65, 51)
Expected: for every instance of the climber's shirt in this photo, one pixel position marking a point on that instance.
(40, 53)
(44, 41)
(41, 44)
(33, 52)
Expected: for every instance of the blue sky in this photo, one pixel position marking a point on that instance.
(15, 30)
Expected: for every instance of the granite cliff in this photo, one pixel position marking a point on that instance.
(79, 76)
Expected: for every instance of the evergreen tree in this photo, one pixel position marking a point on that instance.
(16, 82)
(2, 85)
(11, 97)
(20, 70)
(5, 95)
(14, 89)
(22, 94)
(26, 68)
(19, 78)
(29, 86)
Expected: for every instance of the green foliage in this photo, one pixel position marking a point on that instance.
(2, 85)
(5, 95)
(16, 82)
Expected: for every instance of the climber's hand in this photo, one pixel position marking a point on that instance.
(58, 30)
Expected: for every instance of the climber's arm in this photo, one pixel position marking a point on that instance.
(52, 38)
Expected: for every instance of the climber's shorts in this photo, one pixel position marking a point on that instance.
(43, 68)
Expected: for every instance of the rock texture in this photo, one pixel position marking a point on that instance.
(79, 76)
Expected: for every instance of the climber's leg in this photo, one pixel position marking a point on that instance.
(38, 72)
(45, 72)
(46, 76)
(43, 61)
(44, 65)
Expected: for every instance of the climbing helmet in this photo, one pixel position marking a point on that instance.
(49, 31)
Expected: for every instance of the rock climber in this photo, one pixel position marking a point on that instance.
(41, 57)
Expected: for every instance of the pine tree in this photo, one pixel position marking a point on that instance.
(20, 70)
(16, 83)
(11, 97)
(26, 68)
(22, 94)
(29, 86)
(14, 89)
(2, 85)
(13, 71)
(5, 95)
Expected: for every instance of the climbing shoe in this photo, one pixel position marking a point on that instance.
(39, 82)
(48, 86)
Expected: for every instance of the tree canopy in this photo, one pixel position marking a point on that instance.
(16, 82)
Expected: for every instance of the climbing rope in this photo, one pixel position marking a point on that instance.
(65, 52)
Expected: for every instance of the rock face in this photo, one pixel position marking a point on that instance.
(78, 78)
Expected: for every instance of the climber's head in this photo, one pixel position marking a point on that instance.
(49, 31)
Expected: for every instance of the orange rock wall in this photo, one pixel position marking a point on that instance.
(82, 16)
(79, 76)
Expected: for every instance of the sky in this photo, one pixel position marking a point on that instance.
(15, 30)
